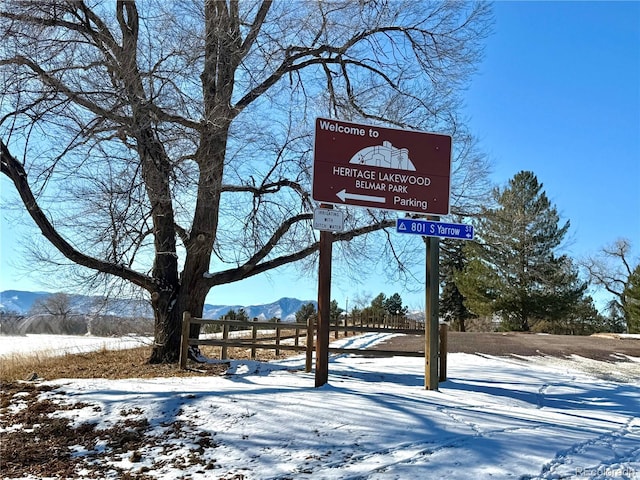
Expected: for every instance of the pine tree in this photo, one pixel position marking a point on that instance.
(335, 311)
(306, 311)
(375, 310)
(452, 307)
(393, 305)
(514, 271)
(632, 301)
(479, 285)
(377, 305)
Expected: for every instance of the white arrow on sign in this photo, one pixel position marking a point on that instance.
(342, 195)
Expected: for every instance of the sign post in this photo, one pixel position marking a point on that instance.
(324, 305)
(432, 318)
(431, 231)
(382, 168)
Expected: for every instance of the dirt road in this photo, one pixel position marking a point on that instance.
(606, 348)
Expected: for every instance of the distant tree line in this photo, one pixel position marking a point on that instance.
(378, 308)
(240, 315)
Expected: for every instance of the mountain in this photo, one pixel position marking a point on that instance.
(15, 301)
(21, 302)
(284, 309)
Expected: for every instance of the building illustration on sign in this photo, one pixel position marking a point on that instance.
(384, 156)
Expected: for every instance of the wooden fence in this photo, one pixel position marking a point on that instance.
(295, 331)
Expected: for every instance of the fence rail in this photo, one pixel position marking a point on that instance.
(306, 330)
(254, 343)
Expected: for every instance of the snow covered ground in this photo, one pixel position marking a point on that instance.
(497, 418)
(56, 345)
(53, 345)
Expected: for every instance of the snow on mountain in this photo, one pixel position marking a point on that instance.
(284, 309)
(20, 302)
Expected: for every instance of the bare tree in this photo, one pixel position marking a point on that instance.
(62, 315)
(612, 269)
(168, 144)
(56, 304)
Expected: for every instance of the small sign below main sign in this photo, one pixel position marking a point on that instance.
(434, 229)
(328, 219)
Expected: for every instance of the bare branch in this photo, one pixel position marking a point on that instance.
(14, 170)
(612, 269)
(256, 26)
(248, 270)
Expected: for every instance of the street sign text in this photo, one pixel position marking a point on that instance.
(434, 229)
(329, 220)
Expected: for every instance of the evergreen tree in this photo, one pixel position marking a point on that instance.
(305, 312)
(240, 315)
(393, 305)
(452, 307)
(377, 305)
(614, 319)
(479, 285)
(375, 310)
(584, 319)
(632, 301)
(515, 272)
(334, 311)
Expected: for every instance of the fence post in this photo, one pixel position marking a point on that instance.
(254, 336)
(184, 345)
(277, 339)
(225, 337)
(309, 360)
(443, 351)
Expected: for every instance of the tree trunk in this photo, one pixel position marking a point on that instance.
(166, 347)
(192, 288)
(168, 322)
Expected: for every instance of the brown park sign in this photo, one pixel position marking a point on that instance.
(385, 168)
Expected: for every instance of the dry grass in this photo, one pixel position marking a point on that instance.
(129, 363)
(112, 364)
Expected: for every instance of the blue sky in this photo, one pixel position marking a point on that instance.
(558, 93)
